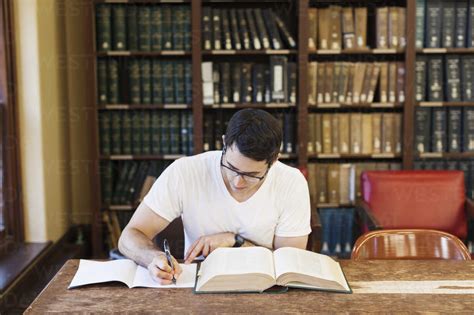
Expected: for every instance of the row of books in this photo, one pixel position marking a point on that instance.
(146, 81)
(143, 27)
(339, 183)
(446, 23)
(444, 78)
(355, 133)
(338, 231)
(127, 182)
(356, 83)
(145, 132)
(444, 130)
(215, 125)
(455, 165)
(244, 29)
(339, 27)
(226, 82)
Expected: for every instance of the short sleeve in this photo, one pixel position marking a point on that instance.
(295, 215)
(164, 197)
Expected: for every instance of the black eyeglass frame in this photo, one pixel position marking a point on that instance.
(242, 174)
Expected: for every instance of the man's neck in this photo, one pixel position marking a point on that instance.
(244, 196)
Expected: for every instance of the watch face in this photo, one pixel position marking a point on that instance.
(239, 240)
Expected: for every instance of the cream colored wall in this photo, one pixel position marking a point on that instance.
(52, 94)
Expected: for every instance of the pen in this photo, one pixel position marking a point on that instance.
(166, 248)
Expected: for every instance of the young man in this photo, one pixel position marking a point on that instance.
(240, 196)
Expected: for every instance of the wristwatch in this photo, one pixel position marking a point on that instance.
(239, 240)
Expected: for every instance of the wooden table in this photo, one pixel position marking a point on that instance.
(114, 297)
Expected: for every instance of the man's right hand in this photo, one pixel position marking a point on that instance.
(161, 271)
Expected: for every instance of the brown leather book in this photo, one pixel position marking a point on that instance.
(329, 80)
(350, 83)
(348, 28)
(397, 132)
(401, 82)
(376, 133)
(313, 29)
(320, 82)
(345, 183)
(388, 143)
(318, 145)
(311, 134)
(402, 27)
(392, 82)
(323, 28)
(312, 82)
(344, 133)
(361, 27)
(393, 24)
(322, 183)
(326, 133)
(336, 82)
(374, 79)
(333, 183)
(312, 183)
(366, 84)
(335, 133)
(344, 81)
(356, 133)
(359, 75)
(382, 27)
(335, 41)
(383, 87)
(367, 139)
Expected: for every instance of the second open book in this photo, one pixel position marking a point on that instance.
(256, 269)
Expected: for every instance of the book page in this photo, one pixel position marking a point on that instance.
(294, 260)
(237, 261)
(90, 272)
(187, 278)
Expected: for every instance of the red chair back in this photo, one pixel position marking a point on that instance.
(417, 200)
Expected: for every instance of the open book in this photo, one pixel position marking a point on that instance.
(128, 272)
(255, 269)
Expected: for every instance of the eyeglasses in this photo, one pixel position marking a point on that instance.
(251, 179)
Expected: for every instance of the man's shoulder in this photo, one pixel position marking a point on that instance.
(197, 162)
(283, 170)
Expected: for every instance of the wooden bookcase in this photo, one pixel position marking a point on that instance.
(301, 55)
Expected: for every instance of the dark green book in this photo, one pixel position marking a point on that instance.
(101, 81)
(236, 82)
(105, 132)
(439, 130)
(144, 28)
(146, 132)
(116, 132)
(103, 22)
(420, 78)
(156, 28)
(120, 182)
(423, 129)
(113, 81)
(190, 126)
(165, 132)
(132, 27)
(178, 82)
(175, 131)
(461, 23)
(453, 78)
(126, 132)
(155, 132)
(208, 132)
(168, 86)
(167, 28)
(188, 83)
(433, 23)
(134, 81)
(454, 129)
(184, 137)
(127, 187)
(187, 28)
(467, 78)
(420, 23)
(468, 127)
(145, 80)
(449, 23)
(157, 82)
(435, 79)
(119, 27)
(177, 26)
(136, 132)
(106, 182)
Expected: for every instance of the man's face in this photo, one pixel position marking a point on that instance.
(241, 172)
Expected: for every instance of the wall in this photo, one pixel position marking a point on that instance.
(52, 99)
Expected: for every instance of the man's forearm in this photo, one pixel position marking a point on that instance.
(137, 246)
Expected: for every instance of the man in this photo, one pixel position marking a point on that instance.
(241, 196)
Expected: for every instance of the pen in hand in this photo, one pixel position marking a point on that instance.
(166, 248)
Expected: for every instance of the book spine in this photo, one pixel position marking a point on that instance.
(174, 132)
(468, 127)
(292, 82)
(382, 27)
(132, 27)
(244, 31)
(168, 86)
(344, 133)
(420, 79)
(270, 23)
(187, 32)
(216, 80)
(102, 81)
(157, 81)
(333, 183)
(388, 133)
(402, 27)
(165, 132)
(225, 82)
(393, 31)
(398, 135)
(313, 28)
(188, 83)
(448, 32)
(286, 35)
(183, 136)
(467, 79)
(113, 81)
(335, 133)
(236, 83)
(235, 29)
(206, 28)
(119, 30)
(104, 27)
(470, 26)
(433, 24)
(146, 132)
(361, 27)
(207, 83)
(323, 28)
(422, 129)
(179, 88)
(106, 181)
(156, 28)
(401, 82)
(136, 132)
(227, 38)
(263, 35)
(278, 69)
(377, 133)
(289, 133)
(177, 25)
(126, 133)
(216, 28)
(454, 129)
(461, 23)
(144, 35)
(105, 133)
(343, 82)
(453, 78)
(435, 79)
(318, 145)
(116, 133)
(348, 29)
(145, 80)
(167, 27)
(367, 137)
(335, 27)
(246, 83)
(155, 132)
(326, 133)
(420, 23)
(356, 133)
(439, 130)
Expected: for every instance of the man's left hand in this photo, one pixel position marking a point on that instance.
(206, 244)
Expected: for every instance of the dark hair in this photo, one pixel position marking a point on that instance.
(256, 133)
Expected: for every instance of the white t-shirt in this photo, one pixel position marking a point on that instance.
(193, 188)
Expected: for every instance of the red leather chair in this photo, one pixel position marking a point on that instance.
(415, 200)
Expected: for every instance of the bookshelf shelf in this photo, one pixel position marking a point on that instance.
(250, 52)
(142, 1)
(445, 50)
(250, 105)
(141, 157)
(335, 205)
(355, 106)
(446, 155)
(126, 53)
(142, 106)
(368, 51)
(323, 156)
(120, 208)
(445, 104)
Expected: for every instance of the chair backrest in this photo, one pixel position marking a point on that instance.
(174, 233)
(409, 244)
(417, 200)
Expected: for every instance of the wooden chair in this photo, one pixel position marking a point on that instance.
(409, 244)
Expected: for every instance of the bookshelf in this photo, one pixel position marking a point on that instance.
(297, 14)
